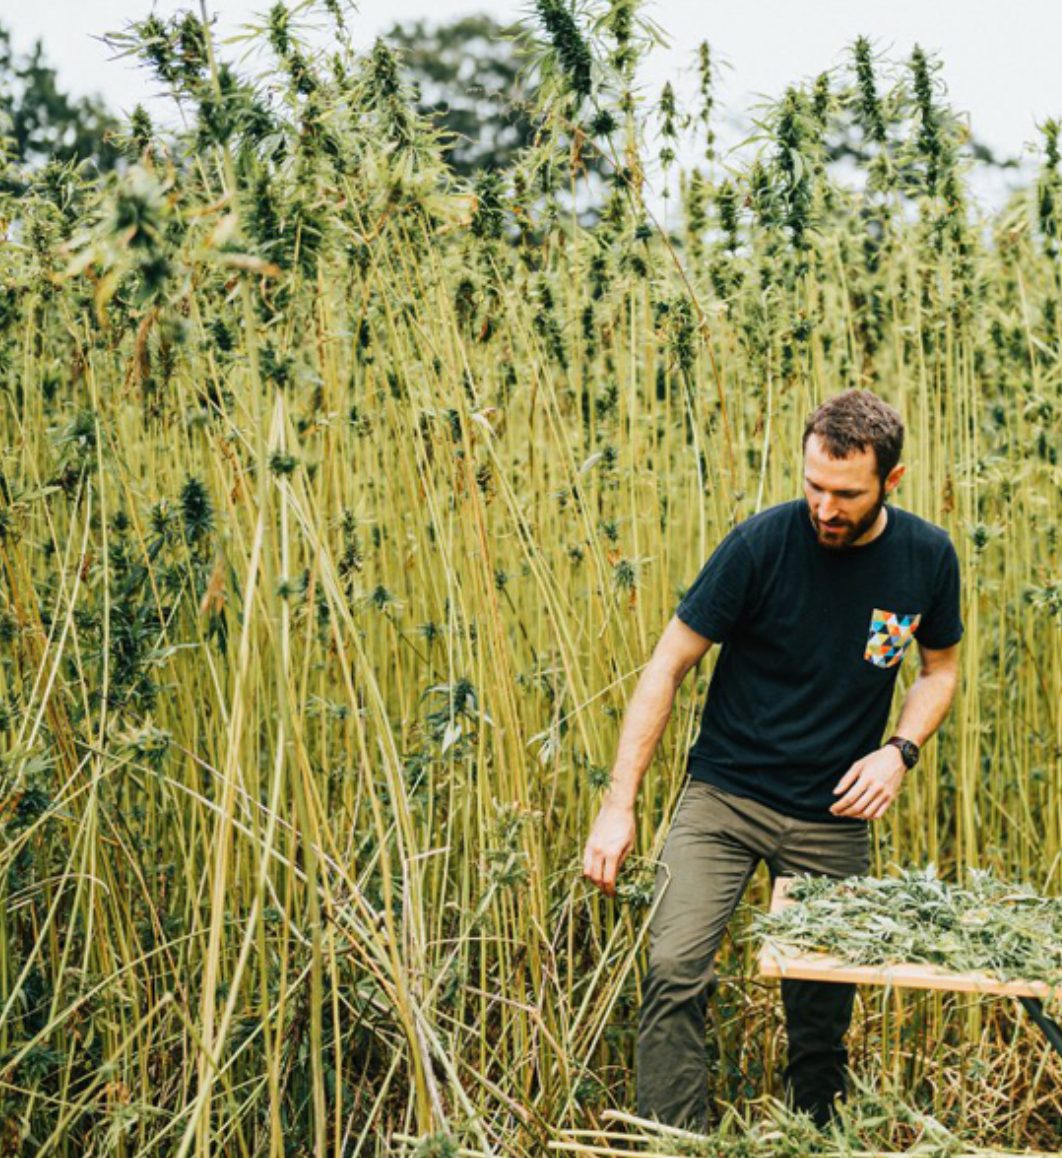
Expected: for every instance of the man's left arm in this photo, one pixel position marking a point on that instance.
(874, 782)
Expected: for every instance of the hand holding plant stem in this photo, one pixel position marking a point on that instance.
(611, 839)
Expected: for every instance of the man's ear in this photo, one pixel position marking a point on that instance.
(893, 481)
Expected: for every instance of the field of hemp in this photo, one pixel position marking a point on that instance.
(342, 503)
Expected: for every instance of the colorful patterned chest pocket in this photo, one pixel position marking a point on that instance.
(890, 636)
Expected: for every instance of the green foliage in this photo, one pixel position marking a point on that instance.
(572, 53)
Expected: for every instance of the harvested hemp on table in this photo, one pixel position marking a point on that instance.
(987, 925)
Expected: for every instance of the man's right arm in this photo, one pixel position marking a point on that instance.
(612, 837)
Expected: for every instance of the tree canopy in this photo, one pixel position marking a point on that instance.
(40, 122)
(467, 75)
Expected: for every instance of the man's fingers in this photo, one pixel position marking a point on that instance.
(867, 799)
(601, 869)
(882, 808)
(601, 866)
(848, 778)
(860, 798)
(594, 870)
(873, 801)
(853, 794)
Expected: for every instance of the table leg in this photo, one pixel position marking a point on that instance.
(1052, 1030)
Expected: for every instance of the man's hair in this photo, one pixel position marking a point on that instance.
(855, 419)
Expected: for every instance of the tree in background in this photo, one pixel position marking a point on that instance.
(467, 75)
(40, 122)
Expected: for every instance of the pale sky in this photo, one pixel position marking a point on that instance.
(1000, 58)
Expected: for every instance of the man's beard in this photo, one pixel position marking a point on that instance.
(844, 537)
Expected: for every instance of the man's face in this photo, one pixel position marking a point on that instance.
(844, 495)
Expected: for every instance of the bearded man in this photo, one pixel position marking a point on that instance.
(814, 602)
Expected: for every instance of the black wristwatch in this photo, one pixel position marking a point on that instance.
(908, 750)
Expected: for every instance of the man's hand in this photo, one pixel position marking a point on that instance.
(611, 838)
(872, 784)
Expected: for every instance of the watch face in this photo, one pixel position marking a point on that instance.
(908, 751)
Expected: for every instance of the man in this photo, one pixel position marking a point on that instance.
(815, 602)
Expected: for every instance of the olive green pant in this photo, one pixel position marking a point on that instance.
(714, 845)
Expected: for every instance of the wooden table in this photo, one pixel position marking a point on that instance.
(782, 961)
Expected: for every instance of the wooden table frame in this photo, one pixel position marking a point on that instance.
(780, 961)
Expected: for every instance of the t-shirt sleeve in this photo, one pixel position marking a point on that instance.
(942, 625)
(715, 603)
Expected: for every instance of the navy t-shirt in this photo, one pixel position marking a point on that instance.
(812, 640)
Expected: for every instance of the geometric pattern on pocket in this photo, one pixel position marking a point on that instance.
(890, 636)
